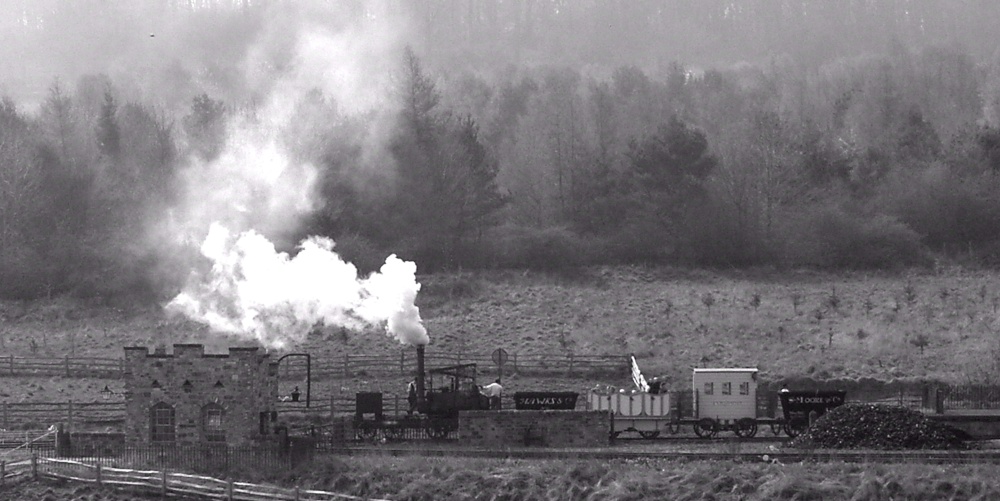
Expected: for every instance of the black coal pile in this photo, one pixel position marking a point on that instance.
(873, 426)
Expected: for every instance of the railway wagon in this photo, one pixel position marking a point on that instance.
(725, 399)
(647, 414)
(802, 407)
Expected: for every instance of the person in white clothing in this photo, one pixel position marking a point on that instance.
(493, 392)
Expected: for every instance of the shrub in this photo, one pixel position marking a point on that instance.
(833, 237)
(717, 235)
(943, 208)
(548, 248)
(19, 275)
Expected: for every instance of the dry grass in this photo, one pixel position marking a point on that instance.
(418, 479)
(464, 479)
(935, 325)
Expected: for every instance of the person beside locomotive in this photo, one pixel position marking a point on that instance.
(493, 391)
(411, 396)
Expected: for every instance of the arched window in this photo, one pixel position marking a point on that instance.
(213, 423)
(162, 423)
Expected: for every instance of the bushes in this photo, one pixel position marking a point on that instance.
(546, 249)
(943, 208)
(832, 237)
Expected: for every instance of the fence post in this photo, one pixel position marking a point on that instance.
(6, 418)
(333, 399)
(11, 364)
(69, 415)
(66, 364)
(229, 489)
(34, 465)
(570, 364)
(347, 363)
(3, 471)
(402, 362)
(163, 485)
(298, 496)
(97, 474)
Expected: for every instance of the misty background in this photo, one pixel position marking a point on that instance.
(465, 134)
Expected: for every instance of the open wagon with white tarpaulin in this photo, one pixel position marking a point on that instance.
(644, 410)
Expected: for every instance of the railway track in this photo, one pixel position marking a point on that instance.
(691, 439)
(927, 457)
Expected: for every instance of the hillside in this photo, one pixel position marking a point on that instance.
(936, 325)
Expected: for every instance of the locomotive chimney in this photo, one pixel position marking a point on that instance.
(420, 376)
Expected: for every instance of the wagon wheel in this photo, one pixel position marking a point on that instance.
(706, 428)
(746, 427)
(776, 427)
(649, 434)
(673, 427)
(795, 427)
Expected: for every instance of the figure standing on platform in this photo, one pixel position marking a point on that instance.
(493, 391)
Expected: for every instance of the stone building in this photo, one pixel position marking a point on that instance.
(190, 397)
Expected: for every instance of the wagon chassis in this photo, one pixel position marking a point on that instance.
(704, 427)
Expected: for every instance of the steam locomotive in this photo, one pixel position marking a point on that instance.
(441, 394)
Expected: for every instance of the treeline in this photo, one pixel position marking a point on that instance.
(867, 163)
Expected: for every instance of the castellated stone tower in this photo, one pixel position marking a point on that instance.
(190, 397)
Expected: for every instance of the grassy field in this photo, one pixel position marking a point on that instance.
(480, 479)
(925, 324)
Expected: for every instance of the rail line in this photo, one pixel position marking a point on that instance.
(928, 457)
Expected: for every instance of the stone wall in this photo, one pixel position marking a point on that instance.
(548, 428)
(244, 383)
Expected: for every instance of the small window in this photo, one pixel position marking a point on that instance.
(727, 388)
(709, 388)
(745, 388)
(212, 419)
(162, 423)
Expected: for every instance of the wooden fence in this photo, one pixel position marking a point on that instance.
(11, 365)
(340, 367)
(27, 440)
(35, 415)
(163, 482)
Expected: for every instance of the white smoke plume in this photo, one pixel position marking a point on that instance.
(256, 188)
(255, 290)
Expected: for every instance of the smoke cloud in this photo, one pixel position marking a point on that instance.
(276, 298)
(256, 191)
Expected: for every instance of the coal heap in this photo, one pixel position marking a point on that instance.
(874, 426)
